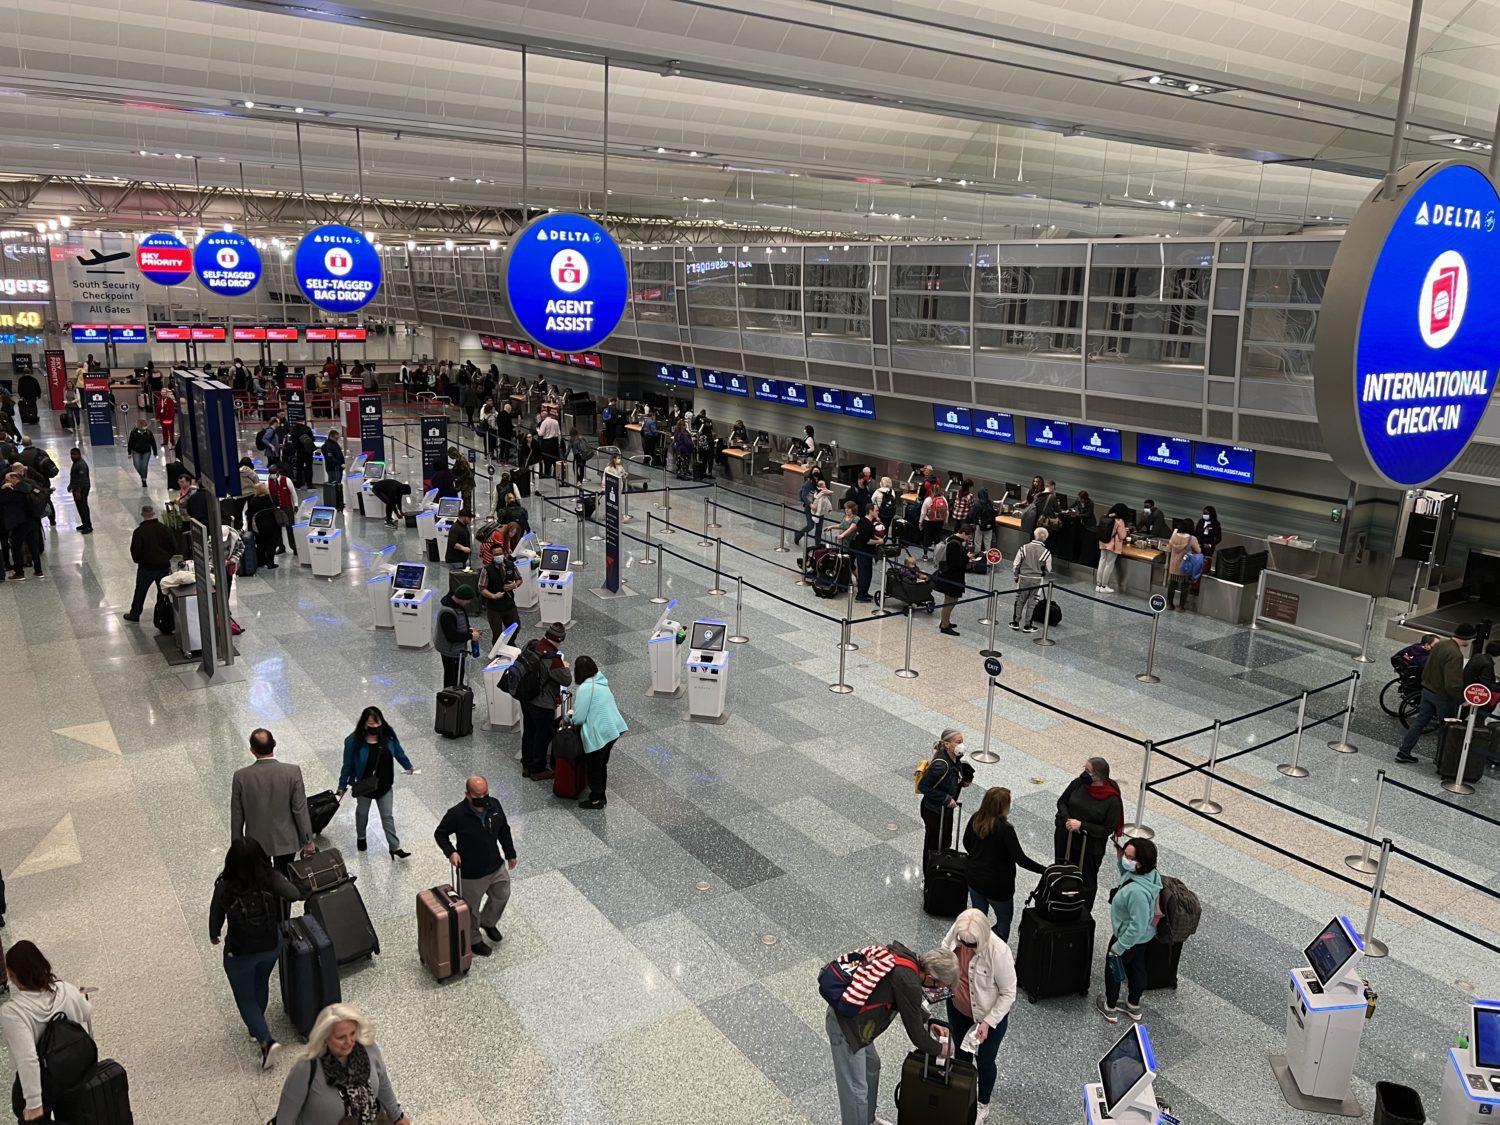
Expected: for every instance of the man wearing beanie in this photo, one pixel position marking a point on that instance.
(452, 634)
(539, 713)
(1442, 685)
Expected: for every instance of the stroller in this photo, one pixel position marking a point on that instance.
(830, 572)
(905, 582)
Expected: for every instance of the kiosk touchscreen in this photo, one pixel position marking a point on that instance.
(1471, 1079)
(708, 670)
(448, 508)
(661, 653)
(373, 471)
(301, 526)
(1127, 1074)
(1325, 1018)
(411, 606)
(555, 586)
(502, 710)
(320, 519)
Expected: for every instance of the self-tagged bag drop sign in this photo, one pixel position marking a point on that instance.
(227, 263)
(337, 268)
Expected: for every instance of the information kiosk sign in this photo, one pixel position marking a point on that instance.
(1408, 340)
(337, 268)
(566, 282)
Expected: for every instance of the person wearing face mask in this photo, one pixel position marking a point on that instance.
(370, 752)
(472, 834)
(983, 997)
(1089, 807)
(1442, 686)
(993, 852)
(1132, 910)
(1208, 533)
(1152, 521)
(945, 776)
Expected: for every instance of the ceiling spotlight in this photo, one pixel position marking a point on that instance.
(177, 156)
(660, 149)
(1193, 87)
(64, 222)
(411, 244)
(494, 244)
(229, 227)
(963, 183)
(1177, 84)
(299, 109)
(695, 153)
(51, 224)
(447, 244)
(41, 227)
(249, 105)
(453, 179)
(477, 180)
(378, 247)
(369, 236)
(143, 152)
(285, 253)
(1155, 80)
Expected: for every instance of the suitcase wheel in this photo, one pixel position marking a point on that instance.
(1030, 999)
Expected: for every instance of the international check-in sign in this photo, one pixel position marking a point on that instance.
(337, 269)
(1408, 341)
(1477, 695)
(227, 263)
(566, 282)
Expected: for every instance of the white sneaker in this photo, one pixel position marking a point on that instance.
(1106, 589)
(884, 1121)
(984, 1112)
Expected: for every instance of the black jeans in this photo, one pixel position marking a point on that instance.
(863, 565)
(452, 670)
(1134, 960)
(81, 502)
(939, 829)
(598, 769)
(145, 578)
(538, 724)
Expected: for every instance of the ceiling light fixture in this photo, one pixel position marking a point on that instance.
(249, 105)
(1460, 142)
(1176, 84)
(299, 109)
(64, 222)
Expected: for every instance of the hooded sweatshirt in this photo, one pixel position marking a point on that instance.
(25, 1016)
(1133, 907)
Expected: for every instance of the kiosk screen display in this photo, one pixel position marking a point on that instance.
(708, 636)
(554, 559)
(449, 507)
(1123, 1069)
(320, 518)
(1330, 951)
(410, 576)
(374, 470)
(1487, 1035)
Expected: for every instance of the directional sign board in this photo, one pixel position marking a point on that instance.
(1158, 603)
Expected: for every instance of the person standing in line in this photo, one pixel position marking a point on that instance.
(539, 713)
(36, 996)
(248, 897)
(1090, 806)
(1110, 550)
(805, 495)
(333, 463)
(1031, 569)
(72, 407)
(486, 426)
(460, 540)
(141, 445)
(234, 507)
(341, 1077)
(151, 549)
(452, 635)
(948, 579)
(983, 997)
(263, 520)
(79, 485)
(994, 852)
(549, 440)
(940, 784)
(1442, 687)
(370, 753)
(498, 583)
(13, 516)
(463, 476)
(1182, 544)
(600, 724)
(268, 803)
(1132, 915)
(473, 834)
(822, 507)
(933, 517)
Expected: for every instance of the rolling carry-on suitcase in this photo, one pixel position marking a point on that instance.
(937, 1093)
(321, 808)
(341, 912)
(455, 706)
(319, 871)
(102, 1098)
(1054, 958)
(945, 888)
(1450, 747)
(568, 777)
(1162, 958)
(444, 932)
(309, 972)
(29, 414)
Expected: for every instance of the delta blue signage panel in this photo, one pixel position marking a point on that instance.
(1156, 452)
(993, 425)
(793, 394)
(677, 375)
(434, 446)
(768, 390)
(227, 263)
(566, 281)
(90, 333)
(1224, 462)
(372, 426)
(736, 384)
(859, 404)
(164, 258)
(950, 419)
(337, 268)
(713, 380)
(1096, 441)
(664, 373)
(1044, 433)
(829, 399)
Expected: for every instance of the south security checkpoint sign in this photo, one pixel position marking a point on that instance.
(1408, 340)
(227, 263)
(337, 268)
(164, 259)
(566, 282)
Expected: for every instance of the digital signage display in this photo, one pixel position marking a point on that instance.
(736, 384)
(1175, 455)
(209, 333)
(281, 333)
(1045, 433)
(128, 333)
(713, 380)
(172, 333)
(1097, 441)
(860, 404)
(247, 335)
(794, 394)
(950, 419)
(829, 399)
(90, 333)
(993, 425)
(768, 390)
(1224, 462)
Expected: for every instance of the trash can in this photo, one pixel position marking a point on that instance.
(1396, 1104)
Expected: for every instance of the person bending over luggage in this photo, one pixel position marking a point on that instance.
(994, 852)
(546, 669)
(856, 1063)
(1089, 812)
(36, 995)
(472, 835)
(1132, 909)
(983, 997)
(946, 774)
(341, 1076)
(370, 753)
(247, 896)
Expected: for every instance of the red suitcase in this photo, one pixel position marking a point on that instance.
(568, 777)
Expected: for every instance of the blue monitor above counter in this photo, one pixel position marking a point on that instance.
(677, 375)
(1045, 433)
(768, 390)
(1154, 451)
(859, 404)
(993, 425)
(793, 394)
(1224, 462)
(1097, 441)
(736, 384)
(713, 380)
(829, 399)
(950, 419)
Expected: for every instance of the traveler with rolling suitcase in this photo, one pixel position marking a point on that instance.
(993, 853)
(445, 930)
(1031, 568)
(939, 780)
(342, 1067)
(1132, 913)
(537, 678)
(371, 752)
(982, 1001)
(1091, 805)
(476, 838)
(247, 898)
(600, 724)
(452, 633)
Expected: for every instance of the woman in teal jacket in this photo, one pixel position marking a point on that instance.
(1133, 914)
(370, 753)
(597, 717)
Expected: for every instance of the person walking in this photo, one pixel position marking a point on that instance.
(1110, 549)
(333, 465)
(983, 998)
(805, 495)
(370, 753)
(1132, 915)
(948, 579)
(1442, 687)
(993, 853)
(151, 549)
(1090, 808)
(498, 583)
(475, 836)
(545, 666)
(1031, 569)
(14, 515)
(1182, 544)
(945, 776)
(452, 634)
(80, 483)
(600, 725)
(341, 1078)
(36, 998)
(248, 897)
(142, 447)
(268, 803)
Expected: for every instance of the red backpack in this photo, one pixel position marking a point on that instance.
(938, 513)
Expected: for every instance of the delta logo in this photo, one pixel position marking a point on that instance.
(1448, 215)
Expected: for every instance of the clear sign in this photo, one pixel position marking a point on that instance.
(1224, 462)
(227, 263)
(768, 390)
(793, 394)
(337, 268)
(1096, 441)
(860, 404)
(829, 399)
(950, 419)
(566, 282)
(993, 425)
(1044, 433)
(1157, 452)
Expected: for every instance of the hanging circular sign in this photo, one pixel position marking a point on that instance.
(566, 282)
(164, 259)
(1408, 341)
(337, 268)
(227, 263)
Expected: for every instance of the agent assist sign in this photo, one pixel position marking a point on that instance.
(566, 282)
(1408, 340)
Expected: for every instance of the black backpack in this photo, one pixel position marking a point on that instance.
(305, 442)
(888, 508)
(46, 466)
(66, 1053)
(522, 681)
(254, 918)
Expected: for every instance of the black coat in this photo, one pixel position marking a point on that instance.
(992, 861)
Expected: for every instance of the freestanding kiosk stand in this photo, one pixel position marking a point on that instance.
(1325, 1017)
(373, 471)
(1471, 1079)
(325, 543)
(380, 589)
(320, 469)
(661, 653)
(555, 585)
(1125, 1091)
(412, 606)
(447, 511)
(426, 523)
(525, 557)
(300, 528)
(708, 671)
(502, 710)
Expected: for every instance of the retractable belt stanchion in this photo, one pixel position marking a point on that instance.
(1149, 676)
(1458, 784)
(738, 636)
(661, 569)
(583, 546)
(1044, 640)
(706, 541)
(880, 587)
(906, 671)
(1138, 829)
(847, 644)
(985, 755)
(1362, 862)
(781, 547)
(1364, 656)
(666, 506)
(842, 687)
(718, 591)
(648, 560)
(1294, 768)
(1374, 947)
(993, 622)
(1206, 803)
(1342, 743)
(714, 526)
(990, 610)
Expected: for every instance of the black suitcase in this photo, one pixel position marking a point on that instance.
(455, 712)
(29, 414)
(945, 890)
(1162, 958)
(1451, 745)
(309, 972)
(463, 577)
(1054, 958)
(102, 1098)
(1054, 617)
(321, 808)
(341, 912)
(930, 1093)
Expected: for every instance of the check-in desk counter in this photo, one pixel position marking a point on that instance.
(1008, 535)
(631, 443)
(1140, 569)
(1233, 602)
(793, 474)
(741, 464)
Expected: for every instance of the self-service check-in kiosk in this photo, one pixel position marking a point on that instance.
(1471, 1078)
(502, 710)
(555, 586)
(1125, 1091)
(1325, 1017)
(380, 589)
(708, 670)
(411, 606)
(448, 508)
(426, 521)
(320, 466)
(661, 653)
(527, 564)
(325, 543)
(301, 527)
(371, 472)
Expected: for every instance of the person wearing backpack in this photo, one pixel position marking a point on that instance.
(983, 515)
(1132, 914)
(1180, 548)
(37, 998)
(948, 579)
(983, 998)
(248, 897)
(543, 672)
(934, 520)
(1091, 804)
(993, 852)
(939, 783)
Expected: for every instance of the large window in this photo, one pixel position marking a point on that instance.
(930, 295)
(653, 293)
(1029, 302)
(1287, 280)
(837, 296)
(1148, 304)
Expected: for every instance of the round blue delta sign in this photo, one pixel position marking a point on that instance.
(164, 259)
(227, 263)
(337, 268)
(566, 282)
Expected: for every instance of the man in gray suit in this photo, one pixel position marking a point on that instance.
(269, 804)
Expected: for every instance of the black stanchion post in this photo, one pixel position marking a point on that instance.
(1294, 768)
(1342, 744)
(1206, 803)
(1044, 640)
(738, 637)
(1138, 830)
(1362, 862)
(842, 687)
(1374, 947)
(718, 591)
(906, 671)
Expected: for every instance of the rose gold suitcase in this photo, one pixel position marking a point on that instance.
(444, 932)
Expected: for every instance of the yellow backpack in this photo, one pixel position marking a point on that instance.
(916, 781)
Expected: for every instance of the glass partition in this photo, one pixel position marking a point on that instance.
(1148, 303)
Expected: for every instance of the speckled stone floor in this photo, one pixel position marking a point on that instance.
(660, 956)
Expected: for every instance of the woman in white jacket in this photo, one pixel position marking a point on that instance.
(35, 997)
(984, 995)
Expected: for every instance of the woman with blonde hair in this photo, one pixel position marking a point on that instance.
(341, 1078)
(979, 1009)
(994, 852)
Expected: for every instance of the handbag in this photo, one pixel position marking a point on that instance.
(567, 743)
(365, 787)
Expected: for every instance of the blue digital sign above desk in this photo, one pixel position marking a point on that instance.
(993, 425)
(1096, 441)
(713, 380)
(859, 404)
(1175, 455)
(826, 398)
(736, 384)
(1224, 462)
(1045, 433)
(793, 394)
(950, 419)
(677, 375)
(768, 390)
